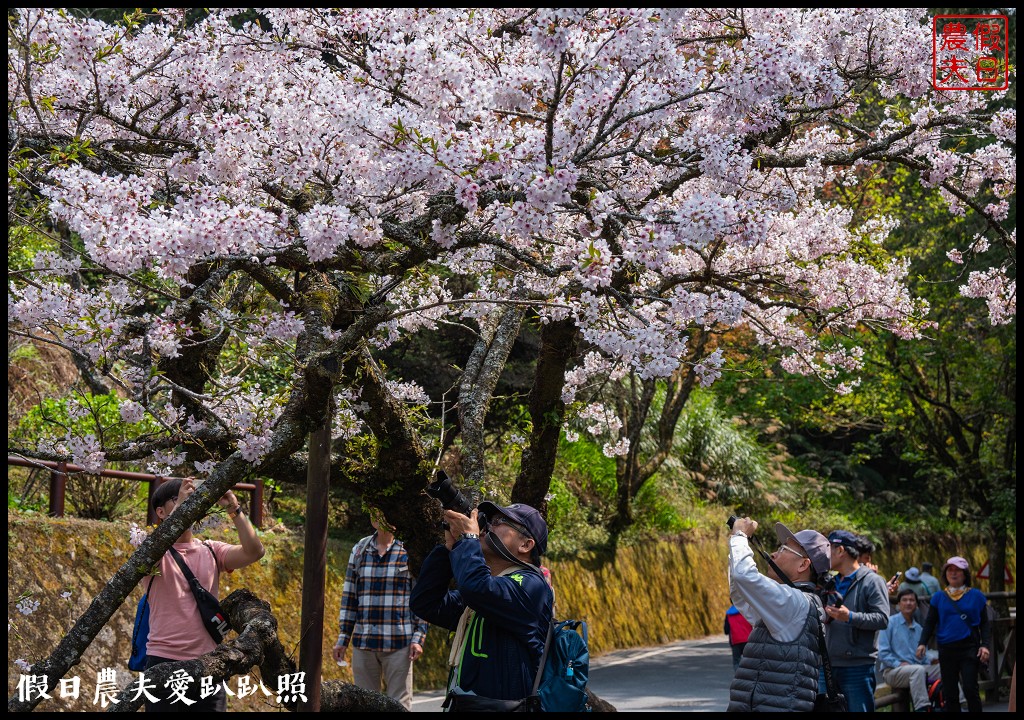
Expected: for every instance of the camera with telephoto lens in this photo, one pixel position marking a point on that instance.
(450, 496)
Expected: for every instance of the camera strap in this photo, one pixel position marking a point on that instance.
(499, 547)
(831, 688)
(756, 544)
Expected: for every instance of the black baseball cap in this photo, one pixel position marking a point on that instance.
(527, 516)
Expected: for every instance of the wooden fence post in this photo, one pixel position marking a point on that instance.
(58, 486)
(314, 564)
(256, 506)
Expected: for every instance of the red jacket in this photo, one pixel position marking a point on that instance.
(736, 627)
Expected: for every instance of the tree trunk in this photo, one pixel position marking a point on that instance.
(559, 342)
(477, 387)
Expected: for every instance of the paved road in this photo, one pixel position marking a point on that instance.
(684, 676)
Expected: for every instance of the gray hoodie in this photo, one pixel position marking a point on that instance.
(856, 642)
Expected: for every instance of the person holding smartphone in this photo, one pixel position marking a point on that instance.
(851, 630)
(176, 630)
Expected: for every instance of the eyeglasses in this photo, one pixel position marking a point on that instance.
(502, 520)
(787, 548)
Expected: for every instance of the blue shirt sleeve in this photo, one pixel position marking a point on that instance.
(431, 599)
(519, 601)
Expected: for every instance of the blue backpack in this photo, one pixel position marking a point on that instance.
(140, 632)
(562, 686)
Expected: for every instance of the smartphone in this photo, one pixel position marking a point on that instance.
(895, 577)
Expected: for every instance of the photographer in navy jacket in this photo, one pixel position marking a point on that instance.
(500, 609)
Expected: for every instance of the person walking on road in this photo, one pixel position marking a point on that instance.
(958, 618)
(779, 667)
(738, 631)
(386, 637)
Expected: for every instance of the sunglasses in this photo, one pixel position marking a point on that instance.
(502, 520)
(786, 548)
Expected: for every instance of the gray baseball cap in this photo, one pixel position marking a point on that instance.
(813, 543)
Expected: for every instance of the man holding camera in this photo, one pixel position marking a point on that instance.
(500, 609)
(851, 631)
(779, 667)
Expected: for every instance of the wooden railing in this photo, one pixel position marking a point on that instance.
(59, 478)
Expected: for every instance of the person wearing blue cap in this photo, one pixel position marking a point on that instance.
(851, 630)
(500, 608)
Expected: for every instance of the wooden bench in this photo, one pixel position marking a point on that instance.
(896, 698)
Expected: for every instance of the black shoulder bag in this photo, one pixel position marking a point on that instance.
(209, 607)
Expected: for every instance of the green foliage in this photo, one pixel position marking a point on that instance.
(725, 460)
(573, 523)
(660, 507)
(584, 466)
(23, 244)
(58, 421)
(81, 415)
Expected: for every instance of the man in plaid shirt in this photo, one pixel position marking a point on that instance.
(375, 615)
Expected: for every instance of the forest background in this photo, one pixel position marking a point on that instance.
(629, 396)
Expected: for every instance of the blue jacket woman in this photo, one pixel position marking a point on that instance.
(958, 617)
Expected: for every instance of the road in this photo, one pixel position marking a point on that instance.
(684, 676)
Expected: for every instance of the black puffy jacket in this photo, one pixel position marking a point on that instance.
(778, 676)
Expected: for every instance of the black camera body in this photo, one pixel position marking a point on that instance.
(829, 595)
(450, 496)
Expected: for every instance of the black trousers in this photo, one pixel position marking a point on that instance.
(958, 663)
(167, 701)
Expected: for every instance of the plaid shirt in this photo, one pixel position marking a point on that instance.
(375, 612)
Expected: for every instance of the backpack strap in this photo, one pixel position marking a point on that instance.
(547, 640)
(216, 564)
(543, 658)
(831, 688)
(145, 604)
(359, 552)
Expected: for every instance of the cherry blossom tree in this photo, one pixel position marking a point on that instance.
(241, 214)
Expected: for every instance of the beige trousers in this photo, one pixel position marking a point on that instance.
(374, 670)
(917, 678)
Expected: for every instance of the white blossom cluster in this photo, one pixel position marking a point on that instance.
(645, 173)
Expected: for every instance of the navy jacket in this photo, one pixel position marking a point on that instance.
(506, 636)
